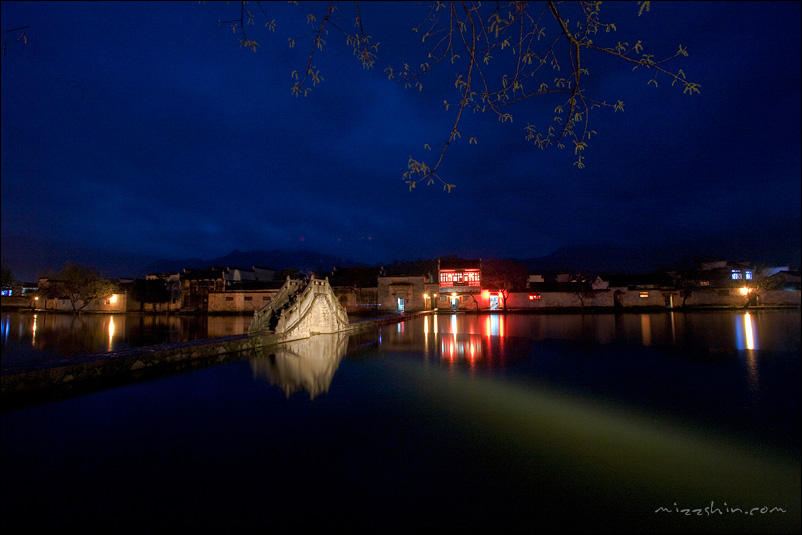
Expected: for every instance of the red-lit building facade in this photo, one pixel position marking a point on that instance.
(460, 283)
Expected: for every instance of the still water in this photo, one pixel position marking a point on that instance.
(39, 337)
(662, 422)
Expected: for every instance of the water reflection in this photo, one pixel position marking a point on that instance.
(646, 329)
(111, 333)
(592, 424)
(777, 330)
(488, 341)
(307, 364)
(745, 332)
(746, 342)
(43, 336)
(723, 364)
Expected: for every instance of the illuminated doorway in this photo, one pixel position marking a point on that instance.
(494, 302)
(401, 304)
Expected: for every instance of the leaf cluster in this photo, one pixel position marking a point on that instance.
(504, 55)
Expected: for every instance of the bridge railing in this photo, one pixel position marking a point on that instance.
(262, 317)
(292, 315)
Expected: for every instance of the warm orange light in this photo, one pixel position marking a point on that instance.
(111, 333)
(744, 290)
(750, 336)
(486, 294)
(113, 298)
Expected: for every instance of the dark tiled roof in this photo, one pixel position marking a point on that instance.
(255, 285)
(202, 274)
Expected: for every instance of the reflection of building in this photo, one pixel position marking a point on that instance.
(455, 339)
(307, 364)
(460, 281)
(464, 347)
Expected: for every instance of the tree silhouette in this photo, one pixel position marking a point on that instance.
(80, 284)
(504, 55)
(503, 276)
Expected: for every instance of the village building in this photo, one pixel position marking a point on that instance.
(449, 284)
(460, 282)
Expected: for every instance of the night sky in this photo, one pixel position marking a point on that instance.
(143, 127)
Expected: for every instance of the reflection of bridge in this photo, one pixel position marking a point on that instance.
(303, 364)
(301, 309)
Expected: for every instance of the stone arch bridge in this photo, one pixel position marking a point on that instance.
(300, 310)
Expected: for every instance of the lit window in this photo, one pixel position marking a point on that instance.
(534, 297)
(748, 274)
(736, 274)
(472, 277)
(643, 294)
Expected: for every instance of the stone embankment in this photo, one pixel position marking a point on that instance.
(74, 375)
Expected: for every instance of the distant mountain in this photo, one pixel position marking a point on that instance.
(779, 245)
(772, 248)
(277, 259)
(29, 258)
(594, 259)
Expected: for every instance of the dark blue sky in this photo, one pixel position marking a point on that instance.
(143, 127)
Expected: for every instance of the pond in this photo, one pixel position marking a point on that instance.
(40, 337)
(456, 422)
